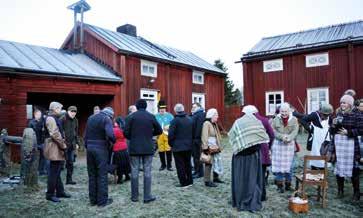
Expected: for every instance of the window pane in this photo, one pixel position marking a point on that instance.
(144, 68)
(151, 69)
(271, 98)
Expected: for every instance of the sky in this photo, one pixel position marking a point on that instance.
(211, 29)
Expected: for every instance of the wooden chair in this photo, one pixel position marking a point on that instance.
(322, 184)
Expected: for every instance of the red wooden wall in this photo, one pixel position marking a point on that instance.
(344, 71)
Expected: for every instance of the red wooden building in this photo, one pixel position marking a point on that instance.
(101, 67)
(305, 68)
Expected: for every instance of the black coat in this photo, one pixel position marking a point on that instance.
(39, 129)
(99, 131)
(140, 128)
(198, 120)
(181, 133)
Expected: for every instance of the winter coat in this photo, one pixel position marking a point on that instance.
(140, 128)
(54, 143)
(265, 148)
(198, 119)
(99, 131)
(163, 143)
(210, 130)
(120, 144)
(291, 130)
(181, 133)
(38, 127)
(70, 128)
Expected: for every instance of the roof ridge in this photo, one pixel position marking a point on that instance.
(314, 29)
(154, 45)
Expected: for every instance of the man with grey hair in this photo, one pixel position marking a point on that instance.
(180, 140)
(132, 109)
(54, 149)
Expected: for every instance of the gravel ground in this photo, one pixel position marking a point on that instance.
(196, 201)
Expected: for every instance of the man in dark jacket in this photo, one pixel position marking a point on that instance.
(70, 127)
(180, 140)
(140, 128)
(37, 124)
(198, 117)
(99, 134)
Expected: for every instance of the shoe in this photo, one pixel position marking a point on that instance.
(109, 201)
(217, 180)
(93, 204)
(63, 195)
(149, 200)
(134, 200)
(127, 178)
(210, 184)
(70, 182)
(53, 199)
(287, 186)
(170, 169)
(162, 168)
(187, 186)
(196, 176)
(280, 187)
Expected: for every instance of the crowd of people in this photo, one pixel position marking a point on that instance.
(127, 146)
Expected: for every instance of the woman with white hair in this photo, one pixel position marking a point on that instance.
(211, 145)
(180, 138)
(286, 128)
(345, 131)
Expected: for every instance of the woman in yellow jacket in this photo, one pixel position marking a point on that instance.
(164, 147)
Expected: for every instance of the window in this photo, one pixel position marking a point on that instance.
(273, 100)
(198, 77)
(316, 60)
(273, 65)
(151, 99)
(149, 68)
(315, 97)
(198, 98)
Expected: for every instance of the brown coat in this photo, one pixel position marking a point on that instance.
(210, 130)
(291, 130)
(54, 144)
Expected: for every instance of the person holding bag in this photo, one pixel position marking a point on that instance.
(211, 146)
(54, 149)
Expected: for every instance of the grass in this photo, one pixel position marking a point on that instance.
(196, 201)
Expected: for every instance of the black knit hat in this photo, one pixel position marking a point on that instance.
(141, 104)
(161, 104)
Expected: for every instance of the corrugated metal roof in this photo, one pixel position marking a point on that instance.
(322, 36)
(144, 47)
(52, 61)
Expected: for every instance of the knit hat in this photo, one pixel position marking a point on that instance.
(161, 104)
(54, 105)
(108, 111)
(350, 92)
(347, 99)
(249, 109)
(141, 104)
(72, 108)
(211, 112)
(326, 108)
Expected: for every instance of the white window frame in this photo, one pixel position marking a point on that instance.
(149, 64)
(154, 98)
(199, 74)
(199, 95)
(274, 64)
(310, 90)
(317, 64)
(29, 111)
(267, 94)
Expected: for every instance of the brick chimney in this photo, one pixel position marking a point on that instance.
(127, 29)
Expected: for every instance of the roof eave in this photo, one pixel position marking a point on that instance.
(21, 71)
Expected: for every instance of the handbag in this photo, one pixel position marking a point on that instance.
(206, 158)
(324, 148)
(213, 148)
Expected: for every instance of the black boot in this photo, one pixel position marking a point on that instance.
(216, 178)
(288, 186)
(340, 183)
(355, 183)
(280, 186)
(210, 184)
(127, 177)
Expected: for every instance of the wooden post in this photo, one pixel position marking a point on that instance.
(29, 159)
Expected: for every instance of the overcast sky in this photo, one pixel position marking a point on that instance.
(211, 29)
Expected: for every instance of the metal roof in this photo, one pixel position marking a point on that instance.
(312, 38)
(50, 61)
(139, 45)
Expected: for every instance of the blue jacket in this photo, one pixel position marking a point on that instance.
(99, 131)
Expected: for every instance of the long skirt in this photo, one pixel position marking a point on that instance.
(121, 160)
(344, 149)
(247, 182)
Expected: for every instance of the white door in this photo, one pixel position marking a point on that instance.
(316, 96)
(151, 99)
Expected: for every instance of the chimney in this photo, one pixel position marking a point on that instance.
(127, 29)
